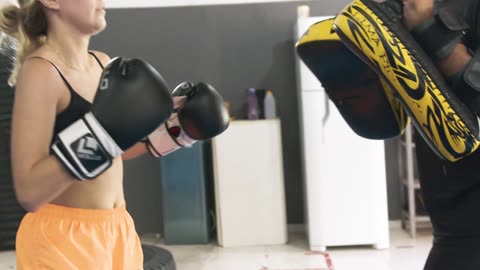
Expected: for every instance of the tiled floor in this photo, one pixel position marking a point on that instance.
(404, 253)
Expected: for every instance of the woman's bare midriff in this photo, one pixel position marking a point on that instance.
(103, 192)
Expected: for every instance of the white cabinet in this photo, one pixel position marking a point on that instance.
(249, 184)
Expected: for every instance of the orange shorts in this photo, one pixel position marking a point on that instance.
(58, 237)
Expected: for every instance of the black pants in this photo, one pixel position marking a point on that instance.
(454, 257)
(452, 199)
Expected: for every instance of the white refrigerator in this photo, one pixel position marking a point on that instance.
(344, 174)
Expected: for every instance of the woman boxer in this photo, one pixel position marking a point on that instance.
(71, 224)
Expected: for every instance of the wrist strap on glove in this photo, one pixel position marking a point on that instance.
(439, 35)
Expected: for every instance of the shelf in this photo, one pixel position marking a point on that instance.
(420, 220)
(416, 184)
(404, 144)
(411, 219)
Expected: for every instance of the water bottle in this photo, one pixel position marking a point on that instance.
(252, 104)
(260, 99)
(269, 105)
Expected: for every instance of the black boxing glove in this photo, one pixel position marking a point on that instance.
(200, 114)
(132, 100)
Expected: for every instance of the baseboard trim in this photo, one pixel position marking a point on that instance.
(295, 228)
(395, 224)
(392, 224)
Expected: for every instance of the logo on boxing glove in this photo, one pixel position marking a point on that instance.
(88, 151)
(104, 82)
(87, 147)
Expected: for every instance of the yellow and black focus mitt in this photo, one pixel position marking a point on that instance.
(363, 99)
(442, 112)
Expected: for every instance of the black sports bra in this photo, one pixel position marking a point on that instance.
(77, 107)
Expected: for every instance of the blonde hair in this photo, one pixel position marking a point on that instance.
(27, 24)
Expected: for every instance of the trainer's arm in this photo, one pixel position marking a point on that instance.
(455, 61)
(416, 12)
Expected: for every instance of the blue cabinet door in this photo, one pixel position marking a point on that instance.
(186, 177)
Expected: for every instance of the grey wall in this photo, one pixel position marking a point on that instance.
(233, 47)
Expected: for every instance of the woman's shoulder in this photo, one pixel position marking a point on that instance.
(37, 68)
(38, 72)
(103, 57)
(39, 62)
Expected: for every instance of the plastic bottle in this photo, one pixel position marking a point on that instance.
(269, 105)
(252, 104)
(260, 99)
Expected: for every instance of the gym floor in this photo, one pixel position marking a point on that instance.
(404, 253)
